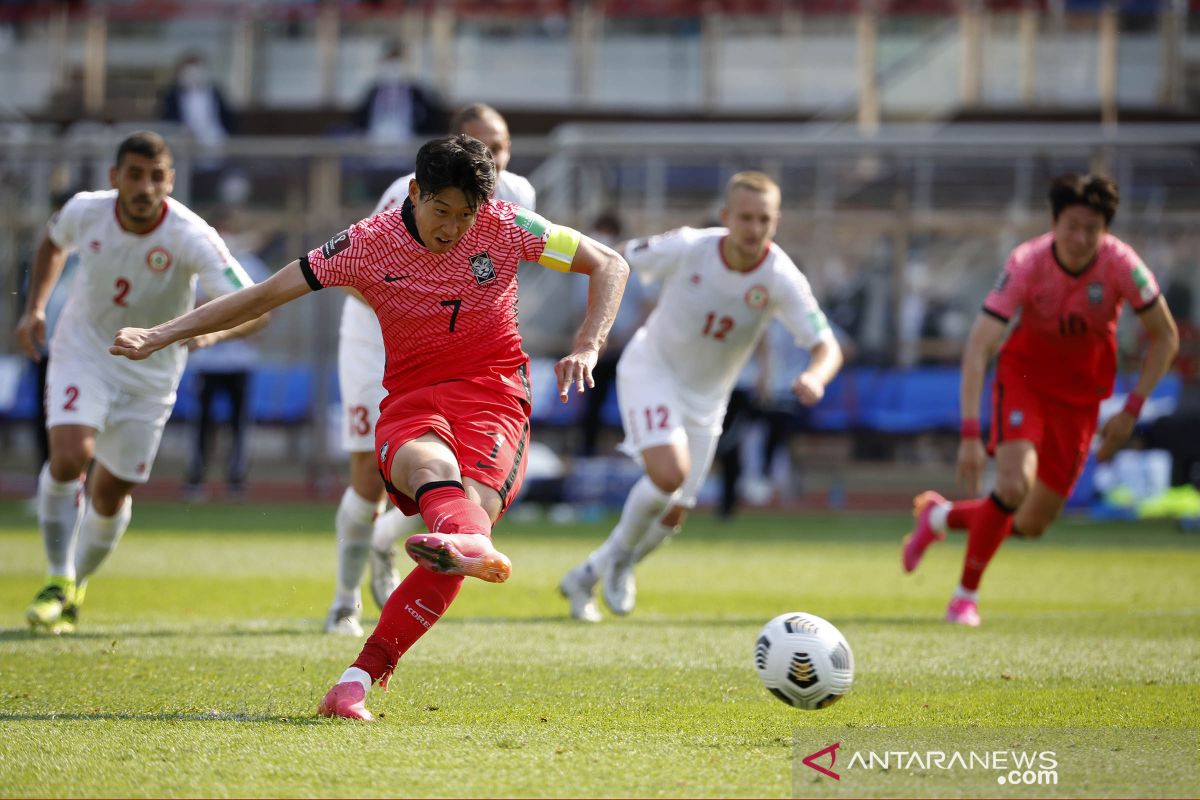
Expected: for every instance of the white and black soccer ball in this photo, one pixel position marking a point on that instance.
(804, 660)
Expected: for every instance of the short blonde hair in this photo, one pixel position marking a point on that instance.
(754, 181)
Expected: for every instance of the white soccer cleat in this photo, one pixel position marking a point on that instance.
(384, 575)
(620, 589)
(576, 586)
(343, 621)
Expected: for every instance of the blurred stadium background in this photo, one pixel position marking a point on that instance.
(913, 140)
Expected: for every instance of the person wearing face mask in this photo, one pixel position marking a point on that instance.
(396, 107)
(1056, 361)
(194, 101)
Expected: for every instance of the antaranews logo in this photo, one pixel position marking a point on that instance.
(1012, 767)
(811, 761)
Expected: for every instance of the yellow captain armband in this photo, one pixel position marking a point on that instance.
(561, 246)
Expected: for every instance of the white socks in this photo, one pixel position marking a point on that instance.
(358, 675)
(644, 505)
(59, 504)
(391, 525)
(354, 524)
(98, 537)
(938, 516)
(967, 594)
(654, 538)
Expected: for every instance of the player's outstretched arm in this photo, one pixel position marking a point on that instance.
(1164, 344)
(986, 335)
(221, 314)
(607, 273)
(47, 267)
(809, 386)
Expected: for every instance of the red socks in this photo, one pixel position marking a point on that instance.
(421, 598)
(418, 602)
(446, 509)
(962, 511)
(989, 526)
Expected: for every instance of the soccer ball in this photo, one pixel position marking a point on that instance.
(804, 661)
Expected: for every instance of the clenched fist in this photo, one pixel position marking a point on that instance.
(134, 343)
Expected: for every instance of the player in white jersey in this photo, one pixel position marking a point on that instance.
(361, 529)
(720, 289)
(140, 256)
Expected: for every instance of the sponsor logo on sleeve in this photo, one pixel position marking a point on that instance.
(158, 259)
(482, 268)
(532, 222)
(1001, 282)
(336, 245)
(1144, 282)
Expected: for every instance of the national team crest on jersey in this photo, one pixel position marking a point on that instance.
(757, 297)
(336, 245)
(158, 259)
(482, 268)
(1095, 293)
(1015, 418)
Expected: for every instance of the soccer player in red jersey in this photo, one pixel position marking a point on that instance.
(440, 272)
(1051, 374)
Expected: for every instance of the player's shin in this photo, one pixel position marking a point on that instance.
(417, 604)
(354, 524)
(658, 535)
(990, 525)
(960, 514)
(59, 509)
(390, 526)
(643, 507)
(98, 537)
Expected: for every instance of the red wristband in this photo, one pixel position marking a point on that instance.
(969, 429)
(1133, 404)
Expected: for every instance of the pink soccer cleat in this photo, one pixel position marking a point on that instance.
(469, 554)
(346, 700)
(962, 611)
(923, 534)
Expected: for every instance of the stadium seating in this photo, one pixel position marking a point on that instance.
(885, 400)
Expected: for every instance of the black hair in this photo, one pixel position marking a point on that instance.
(143, 143)
(460, 162)
(1097, 192)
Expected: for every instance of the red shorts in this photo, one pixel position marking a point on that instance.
(1060, 432)
(486, 426)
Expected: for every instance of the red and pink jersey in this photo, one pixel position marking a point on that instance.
(449, 316)
(1065, 342)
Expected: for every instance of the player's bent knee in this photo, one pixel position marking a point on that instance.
(667, 481)
(1012, 489)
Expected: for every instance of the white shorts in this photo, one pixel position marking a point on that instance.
(656, 410)
(361, 361)
(128, 427)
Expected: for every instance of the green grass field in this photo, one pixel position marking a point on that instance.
(200, 660)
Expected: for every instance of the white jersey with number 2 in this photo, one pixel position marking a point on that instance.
(137, 280)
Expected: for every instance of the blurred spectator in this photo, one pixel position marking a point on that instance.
(397, 107)
(224, 370)
(195, 102)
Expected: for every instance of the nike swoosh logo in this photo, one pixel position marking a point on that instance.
(482, 465)
(394, 278)
(426, 608)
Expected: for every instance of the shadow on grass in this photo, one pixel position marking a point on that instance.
(101, 633)
(104, 716)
